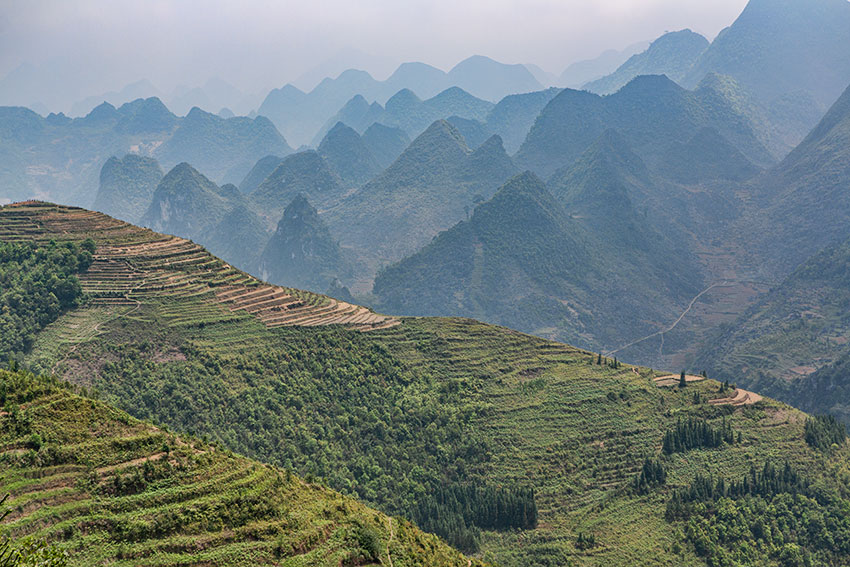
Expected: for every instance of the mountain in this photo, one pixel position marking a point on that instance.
(127, 186)
(348, 156)
(385, 143)
(304, 173)
(421, 78)
(578, 263)
(673, 54)
(781, 46)
(802, 203)
(119, 463)
(62, 158)
(474, 132)
(259, 172)
(586, 70)
(798, 329)
(651, 112)
(301, 252)
(305, 117)
(214, 94)
(225, 149)
(427, 189)
(707, 156)
(488, 79)
(542, 76)
(514, 115)
(407, 111)
(478, 267)
(357, 113)
(140, 89)
(189, 205)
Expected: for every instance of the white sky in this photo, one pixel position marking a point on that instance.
(257, 44)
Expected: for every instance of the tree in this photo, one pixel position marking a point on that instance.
(27, 552)
(682, 380)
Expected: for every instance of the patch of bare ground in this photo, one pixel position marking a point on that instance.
(739, 397)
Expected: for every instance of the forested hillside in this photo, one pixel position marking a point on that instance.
(565, 445)
(106, 488)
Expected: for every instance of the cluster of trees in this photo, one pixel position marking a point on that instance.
(27, 552)
(457, 513)
(367, 425)
(694, 433)
(824, 431)
(652, 474)
(37, 283)
(772, 512)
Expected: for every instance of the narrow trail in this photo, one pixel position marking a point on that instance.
(389, 540)
(675, 323)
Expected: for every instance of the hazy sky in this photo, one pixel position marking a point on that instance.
(257, 44)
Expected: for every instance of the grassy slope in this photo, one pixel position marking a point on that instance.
(385, 414)
(118, 491)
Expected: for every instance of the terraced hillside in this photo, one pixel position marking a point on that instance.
(133, 266)
(523, 451)
(112, 490)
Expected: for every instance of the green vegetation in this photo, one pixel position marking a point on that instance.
(393, 416)
(772, 516)
(694, 433)
(38, 284)
(652, 474)
(109, 489)
(458, 513)
(824, 431)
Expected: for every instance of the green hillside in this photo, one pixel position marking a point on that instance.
(534, 452)
(108, 489)
(798, 328)
(581, 266)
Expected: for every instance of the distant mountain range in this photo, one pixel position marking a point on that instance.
(580, 261)
(62, 157)
(673, 54)
(789, 56)
(651, 112)
(301, 115)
